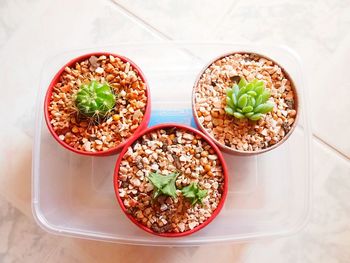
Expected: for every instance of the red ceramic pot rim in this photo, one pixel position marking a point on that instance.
(54, 81)
(194, 131)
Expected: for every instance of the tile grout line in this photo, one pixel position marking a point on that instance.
(337, 152)
(142, 22)
(164, 36)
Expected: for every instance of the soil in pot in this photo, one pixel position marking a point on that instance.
(110, 127)
(170, 181)
(243, 134)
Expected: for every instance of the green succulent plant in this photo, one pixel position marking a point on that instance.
(95, 100)
(163, 184)
(194, 193)
(248, 100)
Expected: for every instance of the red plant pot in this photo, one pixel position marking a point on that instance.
(142, 126)
(223, 147)
(194, 131)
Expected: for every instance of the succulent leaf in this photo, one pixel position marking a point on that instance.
(265, 96)
(248, 100)
(238, 115)
(247, 109)
(235, 89)
(229, 102)
(264, 108)
(256, 117)
(242, 83)
(194, 193)
(163, 184)
(229, 111)
(242, 101)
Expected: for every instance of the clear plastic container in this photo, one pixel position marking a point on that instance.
(269, 194)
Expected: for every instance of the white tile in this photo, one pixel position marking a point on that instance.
(180, 19)
(327, 236)
(12, 15)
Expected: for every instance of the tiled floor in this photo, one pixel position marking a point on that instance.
(33, 30)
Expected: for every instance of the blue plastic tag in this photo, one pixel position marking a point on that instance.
(182, 116)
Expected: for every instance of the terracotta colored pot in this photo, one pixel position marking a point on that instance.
(196, 132)
(142, 126)
(225, 148)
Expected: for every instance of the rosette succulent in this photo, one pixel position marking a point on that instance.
(248, 100)
(95, 100)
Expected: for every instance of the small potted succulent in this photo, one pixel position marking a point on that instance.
(171, 180)
(96, 102)
(245, 102)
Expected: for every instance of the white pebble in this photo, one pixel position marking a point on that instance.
(212, 157)
(149, 187)
(136, 182)
(139, 173)
(155, 167)
(163, 207)
(145, 160)
(122, 93)
(87, 146)
(98, 142)
(192, 225)
(181, 227)
(183, 158)
(99, 70)
(188, 136)
(122, 192)
(148, 151)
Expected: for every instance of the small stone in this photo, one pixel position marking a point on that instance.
(163, 207)
(188, 171)
(207, 118)
(145, 160)
(122, 93)
(98, 142)
(218, 122)
(292, 113)
(149, 187)
(109, 120)
(122, 192)
(139, 173)
(148, 151)
(212, 157)
(155, 167)
(99, 70)
(264, 132)
(135, 181)
(204, 154)
(181, 227)
(188, 136)
(192, 225)
(183, 158)
(87, 146)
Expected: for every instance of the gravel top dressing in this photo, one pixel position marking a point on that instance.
(244, 134)
(115, 126)
(170, 180)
